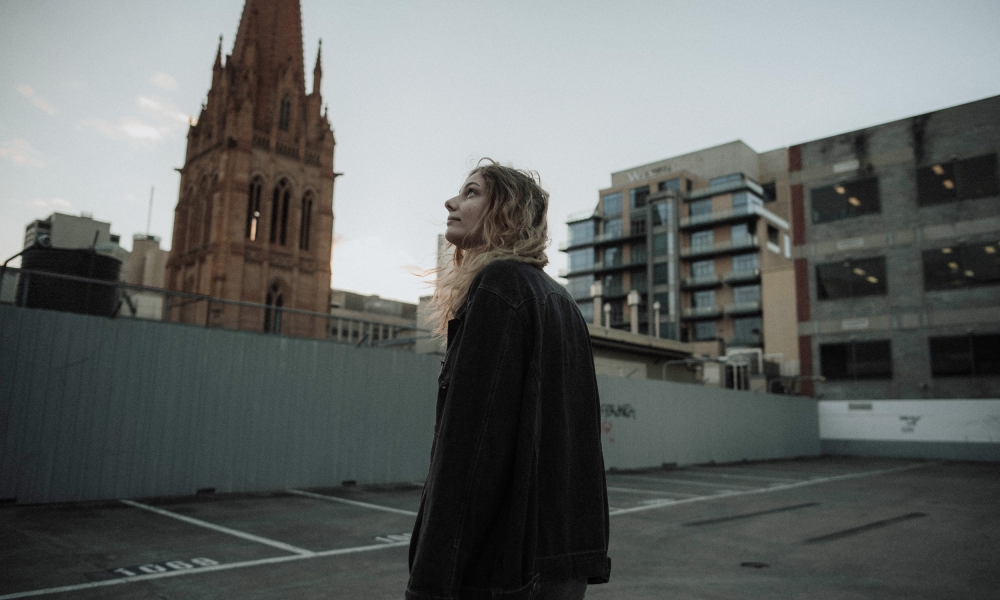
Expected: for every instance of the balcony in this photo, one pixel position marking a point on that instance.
(581, 215)
(720, 216)
(744, 183)
(700, 281)
(743, 308)
(734, 277)
(740, 243)
(563, 247)
(750, 341)
(570, 272)
(701, 312)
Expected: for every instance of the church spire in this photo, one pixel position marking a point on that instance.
(218, 55)
(318, 69)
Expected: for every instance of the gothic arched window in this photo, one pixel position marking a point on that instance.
(253, 208)
(285, 114)
(279, 212)
(307, 205)
(272, 312)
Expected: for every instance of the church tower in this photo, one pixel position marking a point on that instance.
(254, 220)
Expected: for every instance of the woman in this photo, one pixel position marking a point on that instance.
(515, 502)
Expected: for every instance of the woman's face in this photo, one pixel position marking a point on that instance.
(466, 210)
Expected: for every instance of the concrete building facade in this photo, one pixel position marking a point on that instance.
(897, 257)
(254, 220)
(705, 237)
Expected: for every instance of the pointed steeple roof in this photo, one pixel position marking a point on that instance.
(270, 37)
(318, 69)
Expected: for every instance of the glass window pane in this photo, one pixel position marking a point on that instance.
(587, 310)
(748, 328)
(936, 184)
(746, 263)
(845, 200)
(581, 260)
(583, 232)
(659, 214)
(703, 298)
(745, 294)
(851, 278)
(986, 349)
(725, 180)
(637, 254)
(660, 273)
(872, 360)
(700, 207)
(637, 281)
(704, 330)
(979, 263)
(942, 270)
(612, 257)
(638, 226)
(951, 356)
(660, 244)
(834, 361)
(701, 239)
(612, 228)
(673, 185)
(612, 204)
(579, 287)
(703, 268)
(637, 196)
(977, 177)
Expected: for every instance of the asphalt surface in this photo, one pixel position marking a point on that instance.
(830, 527)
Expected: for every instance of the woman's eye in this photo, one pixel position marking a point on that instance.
(470, 192)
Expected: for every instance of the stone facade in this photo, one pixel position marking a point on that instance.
(254, 220)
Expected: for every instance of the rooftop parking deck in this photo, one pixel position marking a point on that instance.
(828, 527)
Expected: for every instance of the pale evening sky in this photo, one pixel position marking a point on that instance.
(95, 97)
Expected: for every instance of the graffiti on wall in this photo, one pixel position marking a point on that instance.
(612, 411)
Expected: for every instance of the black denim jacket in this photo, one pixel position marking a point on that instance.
(516, 494)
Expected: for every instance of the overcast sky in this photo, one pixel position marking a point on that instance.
(95, 97)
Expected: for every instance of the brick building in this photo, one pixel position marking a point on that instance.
(896, 238)
(254, 220)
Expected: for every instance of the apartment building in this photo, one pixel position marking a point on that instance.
(699, 245)
(896, 238)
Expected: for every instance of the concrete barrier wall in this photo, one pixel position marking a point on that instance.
(93, 408)
(649, 423)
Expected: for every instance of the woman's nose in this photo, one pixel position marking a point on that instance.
(450, 205)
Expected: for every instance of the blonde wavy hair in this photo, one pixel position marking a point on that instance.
(514, 227)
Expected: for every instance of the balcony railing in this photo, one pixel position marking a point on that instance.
(743, 308)
(719, 215)
(701, 281)
(702, 312)
(580, 215)
(750, 341)
(741, 276)
(749, 241)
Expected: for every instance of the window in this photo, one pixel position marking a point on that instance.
(285, 114)
(965, 355)
(279, 212)
(845, 200)
(661, 243)
(637, 196)
(745, 263)
(725, 180)
(743, 202)
(660, 273)
(961, 266)
(638, 281)
(664, 299)
(307, 205)
(660, 213)
(747, 330)
(612, 229)
(700, 207)
(746, 294)
(703, 268)
(668, 330)
(272, 313)
(581, 260)
(637, 254)
(702, 239)
(672, 185)
(856, 360)
(638, 226)
(851, 278)
(958, 180)
(773, 235)
(612, 204)
(613, 285)
(770, 191)
(582, 232)
(740, 234)
(253, 208)
(703, 299)
(579, 287)
(587, 310)
(617, 312)
(704, 331)
(612, 257)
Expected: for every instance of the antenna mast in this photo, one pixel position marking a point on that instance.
(149, 216)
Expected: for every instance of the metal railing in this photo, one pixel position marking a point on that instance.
(743, 308)
(739, 276)
(749, 241)
(700, 281)
(697, 312)
(55, 291)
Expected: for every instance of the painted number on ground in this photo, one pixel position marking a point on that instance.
(164, 567)
(392, 538)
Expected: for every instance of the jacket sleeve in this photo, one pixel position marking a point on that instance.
(475, 451)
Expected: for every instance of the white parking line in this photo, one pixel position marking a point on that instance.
(735, 476)
(776, 488)
(221, 529)
(689, 482)
(654, 492)
(399, 511)
(200, 570)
